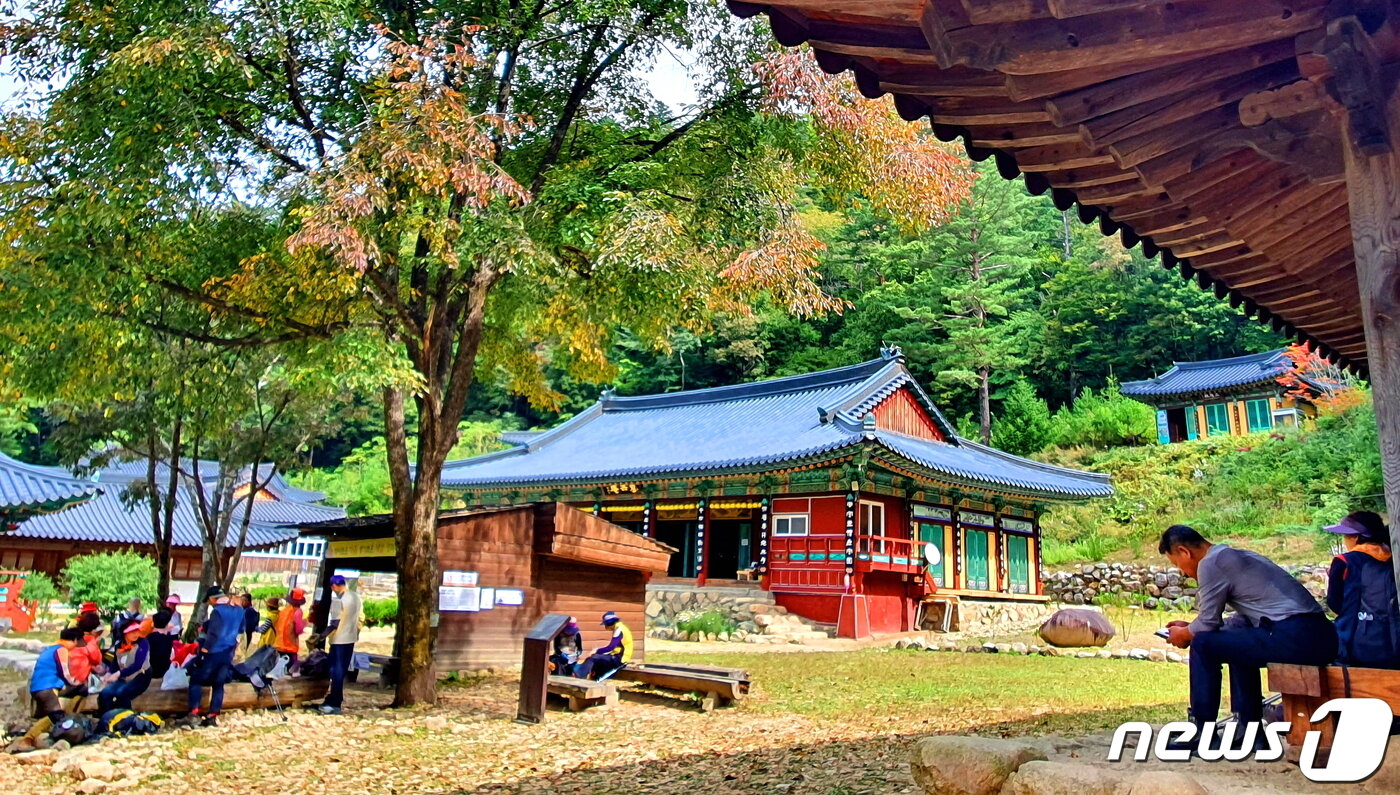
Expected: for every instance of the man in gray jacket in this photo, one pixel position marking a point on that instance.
(1276, 620)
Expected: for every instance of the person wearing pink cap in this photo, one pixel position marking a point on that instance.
(177, 624)
(1361, 592)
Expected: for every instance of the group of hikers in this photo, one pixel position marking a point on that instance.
(568, 659)
(1276, 619)
(236, 641)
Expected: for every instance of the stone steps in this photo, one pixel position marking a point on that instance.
(754, 614)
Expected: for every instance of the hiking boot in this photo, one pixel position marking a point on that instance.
(327, 709)
(211, 721)
(189, 721)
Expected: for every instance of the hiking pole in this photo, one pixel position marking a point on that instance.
(276, 700)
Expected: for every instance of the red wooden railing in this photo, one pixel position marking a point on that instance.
(828, 553)
(886, 553)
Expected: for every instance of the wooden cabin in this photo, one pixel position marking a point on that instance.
(506, 567)
(1224, 397)
(830, 489)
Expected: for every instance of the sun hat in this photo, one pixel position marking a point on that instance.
(610, 618)
(1347, 527)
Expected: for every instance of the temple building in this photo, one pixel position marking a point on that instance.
(1224, 397)
(67, 516)
(844, 492)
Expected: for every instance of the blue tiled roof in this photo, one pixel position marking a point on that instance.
(752, 426)
(1189, 377)
(26, 487)
(107, 518)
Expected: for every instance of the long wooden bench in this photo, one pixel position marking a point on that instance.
(1306, 687)
(717, 687)
(582, 693)
(292, 691)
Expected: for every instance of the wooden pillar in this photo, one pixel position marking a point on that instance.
(765, 520)
(1035, 565)
(702, 548)
(1371, 146)
(648, 519)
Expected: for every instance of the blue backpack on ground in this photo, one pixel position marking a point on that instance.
(1368, 624)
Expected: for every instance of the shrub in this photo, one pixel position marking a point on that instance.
(110, 579)
(40, 589)
(262, 593)
(381, 612)
(1105, 418)
(711, 623)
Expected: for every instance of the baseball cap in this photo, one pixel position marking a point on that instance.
(338, 579)
(213, 592)
(173, 599)
(88, 607)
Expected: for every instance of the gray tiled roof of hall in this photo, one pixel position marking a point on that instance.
(28, 487)
(108, 517)
(755, 425)
(1214, 374)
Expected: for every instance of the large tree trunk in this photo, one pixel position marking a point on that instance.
(984, 398)
(415, 536)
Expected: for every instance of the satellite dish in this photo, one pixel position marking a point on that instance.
(932, 555)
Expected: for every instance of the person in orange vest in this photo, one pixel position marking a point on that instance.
(287, 628)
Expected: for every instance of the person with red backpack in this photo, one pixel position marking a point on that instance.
(1361, 592)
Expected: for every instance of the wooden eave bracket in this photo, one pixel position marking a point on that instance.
(1360, 82)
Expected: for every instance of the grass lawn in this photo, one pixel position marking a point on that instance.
(941, 691)
(838, 722)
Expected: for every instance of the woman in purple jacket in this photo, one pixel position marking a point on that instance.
(133, 674)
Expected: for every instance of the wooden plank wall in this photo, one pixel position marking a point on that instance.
(501, 546)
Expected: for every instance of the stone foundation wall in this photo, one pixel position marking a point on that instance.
(1156, 587)
(752, 615)
(991, 617)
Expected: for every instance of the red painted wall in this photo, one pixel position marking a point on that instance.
(896, 516)
(828, 513)
(890, 609)
(901, 413)
(822, 608)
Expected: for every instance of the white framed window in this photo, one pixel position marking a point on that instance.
(790, 524)
(872, 518)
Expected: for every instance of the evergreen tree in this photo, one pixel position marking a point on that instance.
(1024, 425)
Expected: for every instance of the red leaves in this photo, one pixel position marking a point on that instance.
(865, 147)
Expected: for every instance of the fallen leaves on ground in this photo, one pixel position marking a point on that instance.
(818, 723)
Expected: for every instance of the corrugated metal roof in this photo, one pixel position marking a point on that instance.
(1189, 377)
(26, 487)
(748, 426)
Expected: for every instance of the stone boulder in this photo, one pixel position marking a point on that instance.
(1070, 627)
(968, 765)
(1062, 778)
(1164, 782)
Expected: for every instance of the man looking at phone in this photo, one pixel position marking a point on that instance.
(1276, 620)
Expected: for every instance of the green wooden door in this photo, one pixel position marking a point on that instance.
(1018, 563)
(1193, 429)
(1261, 415)
(975, 563)
(1218, 419)
(930, 533)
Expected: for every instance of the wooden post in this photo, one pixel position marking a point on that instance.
(702, 546)
(1370, 135)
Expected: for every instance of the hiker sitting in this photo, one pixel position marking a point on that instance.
(1361, 592)
(133, 673)
(568, 649)
(608, 658)
(132, 611)
(1277, 621)
(161, 632)
(52, 680)
(287, 628)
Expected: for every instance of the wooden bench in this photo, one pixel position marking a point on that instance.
(388, 669)
(717, 686)
(1306, 687)
(582, 693)
(293, 691)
